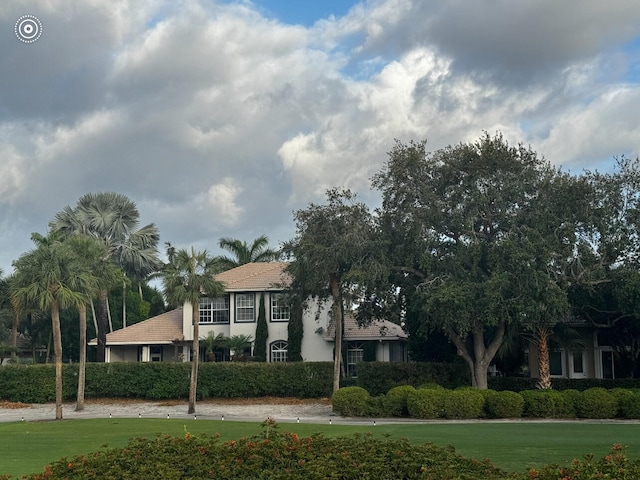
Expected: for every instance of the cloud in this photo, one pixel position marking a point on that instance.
(218, 121)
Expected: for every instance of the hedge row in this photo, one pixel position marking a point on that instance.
(434, 402)
(36, 383)
(518, 384)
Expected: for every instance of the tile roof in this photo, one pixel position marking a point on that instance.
(164, 328)
(259, 276)
(376, 330)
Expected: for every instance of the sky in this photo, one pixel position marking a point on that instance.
(220, 118)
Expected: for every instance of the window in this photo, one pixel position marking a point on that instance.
(214, 310)
(245, 307)
(279, 351)
(556, 362)
(280, 309)
(155, 352)
(355, 354)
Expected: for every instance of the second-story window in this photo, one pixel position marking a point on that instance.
(245, 307)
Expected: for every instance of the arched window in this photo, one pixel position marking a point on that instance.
(278, 351)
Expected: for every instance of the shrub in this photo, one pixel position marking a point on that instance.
(504, 404)
(596, 403)
(380, 377)
(628, 403)
(426, 403)
(272, 455)
(395, 401)
(616, 464)
(375, 407)
(350, 401)
(463, 403)
(547, 404)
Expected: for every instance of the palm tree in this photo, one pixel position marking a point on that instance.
(243, 253)
(210, 342)
(52, 277)
(114, 220)
(95, 256)
(186, 278)
(237, 344)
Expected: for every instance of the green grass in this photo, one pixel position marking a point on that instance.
(26, 447)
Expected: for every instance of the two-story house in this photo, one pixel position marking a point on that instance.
(168, 337)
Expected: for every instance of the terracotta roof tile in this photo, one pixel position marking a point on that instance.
(164, 328)
(259, 276)
(376, 330)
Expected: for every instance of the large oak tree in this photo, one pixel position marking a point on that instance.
(476, 241)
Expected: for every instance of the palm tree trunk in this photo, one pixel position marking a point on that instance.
(83, 356)
(57, 349)
(103, 324)
(542, 340)
(14, 337)
(124, 304)
(337, 318)
(193, 384)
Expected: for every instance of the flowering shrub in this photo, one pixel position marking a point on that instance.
(615, 465)
(273, 455)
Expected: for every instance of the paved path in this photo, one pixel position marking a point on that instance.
(306, 412)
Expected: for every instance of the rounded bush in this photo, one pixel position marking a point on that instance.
(375, 407)
(427, 403)
(596, 403)
(463, 403)
(622, 396)
(350, 401)
(629, 405)
(547, 404)
(395, 401)
(504, 404)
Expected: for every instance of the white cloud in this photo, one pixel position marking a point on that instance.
(219, 122)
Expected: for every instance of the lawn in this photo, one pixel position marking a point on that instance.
(26, 447)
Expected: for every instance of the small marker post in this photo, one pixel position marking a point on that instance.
(222, 418)
(298, 420)
(139, 415)
(329, 421)
(167, 416)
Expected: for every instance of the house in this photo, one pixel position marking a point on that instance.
(592, 357)
(168, 337)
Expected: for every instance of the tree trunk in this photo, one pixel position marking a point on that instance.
(480, 358)
(337, 318)
(82, 310)
(14, 338)
(193, 384)
(57, 349)
(124, 304)
(542, 341)
(103, 325)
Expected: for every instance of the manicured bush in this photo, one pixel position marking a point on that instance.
(375, 407)
(395, 401)
(546, 404)
(504, 404)
(596, 403)
(628, 402)
(463, 403)
(350, 401)
(272, 455)
(426, 403)
(518, 384)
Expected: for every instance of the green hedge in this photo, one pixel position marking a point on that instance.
(350, 401)
(380, 377)
(36, 383)
(518, 384)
